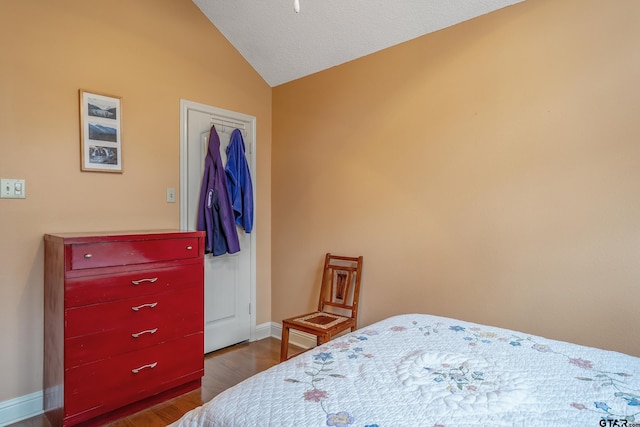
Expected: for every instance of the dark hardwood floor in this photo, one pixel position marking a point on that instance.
(222, 369)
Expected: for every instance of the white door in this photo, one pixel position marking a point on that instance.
(229, 279)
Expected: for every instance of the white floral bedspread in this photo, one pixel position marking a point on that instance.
(422, 370)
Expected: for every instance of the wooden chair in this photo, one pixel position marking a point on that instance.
(337, 305)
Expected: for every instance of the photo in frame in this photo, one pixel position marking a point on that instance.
(100, 132)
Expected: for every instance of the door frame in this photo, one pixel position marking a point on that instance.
(234, 117)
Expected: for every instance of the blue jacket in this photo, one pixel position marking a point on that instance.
(215, 214)
(239, 182)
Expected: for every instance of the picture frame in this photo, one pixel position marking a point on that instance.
(100, 132)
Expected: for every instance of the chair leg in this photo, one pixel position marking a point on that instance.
(284, 344)
(321, 339)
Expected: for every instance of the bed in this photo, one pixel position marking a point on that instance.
(423, 370)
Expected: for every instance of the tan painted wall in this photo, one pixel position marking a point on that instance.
(488, 172)
(152, 53)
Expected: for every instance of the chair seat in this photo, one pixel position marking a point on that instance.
(320, 321)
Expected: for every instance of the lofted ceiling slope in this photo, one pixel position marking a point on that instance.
(283, 45)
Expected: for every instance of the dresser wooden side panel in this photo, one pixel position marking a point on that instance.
(53, 380)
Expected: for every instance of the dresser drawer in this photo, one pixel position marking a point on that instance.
(96, 289)
(129, 252)
(110, 383)
(133, 314)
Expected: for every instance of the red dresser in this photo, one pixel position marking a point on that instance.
(123, 322)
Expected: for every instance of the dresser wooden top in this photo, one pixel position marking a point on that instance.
(85, 237)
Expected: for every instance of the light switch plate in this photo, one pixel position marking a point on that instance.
(12, 188)
(171, 195)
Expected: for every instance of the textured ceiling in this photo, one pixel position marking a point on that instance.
(283, 45)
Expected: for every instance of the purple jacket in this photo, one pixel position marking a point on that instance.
(215, 214)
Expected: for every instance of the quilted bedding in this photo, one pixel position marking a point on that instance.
(422, 370)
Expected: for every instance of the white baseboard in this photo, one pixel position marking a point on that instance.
(262, 331)
(298, 338)
(21, 408)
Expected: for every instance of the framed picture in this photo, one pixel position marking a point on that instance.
(100, 132)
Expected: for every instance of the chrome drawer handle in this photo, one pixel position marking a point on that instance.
(150, 365)
(137, 282)
(148, 331)
(87, 256)
(151, 305)
(189, 248)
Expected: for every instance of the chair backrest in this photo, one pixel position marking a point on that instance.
(340, 290)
